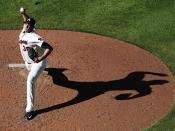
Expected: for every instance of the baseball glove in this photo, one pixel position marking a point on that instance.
(32, 53)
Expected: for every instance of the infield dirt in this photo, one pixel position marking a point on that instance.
(92, 83)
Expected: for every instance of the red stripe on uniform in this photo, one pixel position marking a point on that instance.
(23, 42)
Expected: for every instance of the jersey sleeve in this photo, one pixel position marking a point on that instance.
(22, 31)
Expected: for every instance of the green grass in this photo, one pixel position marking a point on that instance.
(148, 24)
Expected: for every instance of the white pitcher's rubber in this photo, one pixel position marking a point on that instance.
(16, 65)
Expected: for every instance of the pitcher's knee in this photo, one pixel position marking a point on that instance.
(31, 80)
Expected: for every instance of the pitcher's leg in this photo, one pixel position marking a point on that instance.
(30, 92)
(36, 70)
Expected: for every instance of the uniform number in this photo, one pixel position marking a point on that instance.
(25, 48)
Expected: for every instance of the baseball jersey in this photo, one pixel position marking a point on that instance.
(33, 40)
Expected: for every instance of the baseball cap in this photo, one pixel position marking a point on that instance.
(30, 21)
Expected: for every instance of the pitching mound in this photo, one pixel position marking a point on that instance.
(92, 83)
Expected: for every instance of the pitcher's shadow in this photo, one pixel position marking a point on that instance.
(88, 90)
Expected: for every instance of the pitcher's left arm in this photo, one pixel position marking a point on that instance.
(47, 51)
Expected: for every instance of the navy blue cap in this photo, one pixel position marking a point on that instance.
(30, 21)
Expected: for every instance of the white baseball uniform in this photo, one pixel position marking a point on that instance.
(26, 40)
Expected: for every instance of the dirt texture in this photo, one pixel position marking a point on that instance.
(92, 83)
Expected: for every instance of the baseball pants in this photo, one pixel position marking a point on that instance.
(35, 70)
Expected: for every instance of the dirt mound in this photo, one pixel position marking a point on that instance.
(92, 83)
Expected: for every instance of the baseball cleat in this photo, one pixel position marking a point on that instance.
(29, 115)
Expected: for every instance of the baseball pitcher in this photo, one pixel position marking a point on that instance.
(34, 51)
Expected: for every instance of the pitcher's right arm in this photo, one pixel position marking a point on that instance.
(23, 13)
